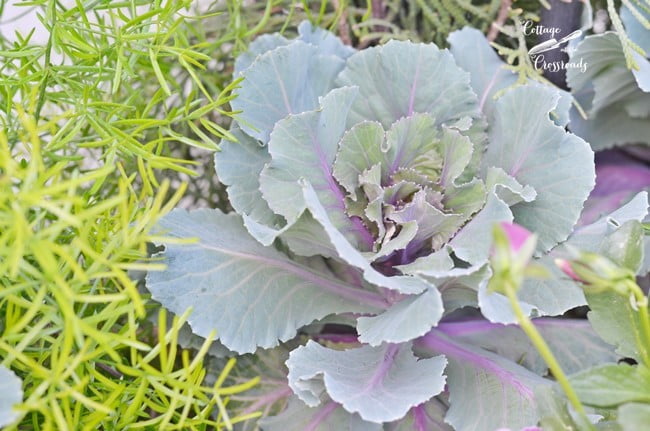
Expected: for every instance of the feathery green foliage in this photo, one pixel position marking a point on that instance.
(72, 318)
(89, 124)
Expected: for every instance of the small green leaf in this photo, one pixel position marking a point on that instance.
(612, 385)
(615, 321)
(625, 245)
(634, 416)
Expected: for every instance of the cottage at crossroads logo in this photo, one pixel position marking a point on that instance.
(537, 52)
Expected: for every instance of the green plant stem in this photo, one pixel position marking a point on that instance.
(538, 341)
(644, 319)
(51, 8)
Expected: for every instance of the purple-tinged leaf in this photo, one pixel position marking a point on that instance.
(379, 383)
(253, 296)
(410, 318)
(287, 80)
(485, 381)
(527, 145)
(474, 54)
(395, 81)
(618, 178)
(425, 417)
(574, 343)
(328, 416)
(403, 284)
(304, 146)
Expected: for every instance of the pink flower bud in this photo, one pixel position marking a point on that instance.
(517, 235)
(565, 266)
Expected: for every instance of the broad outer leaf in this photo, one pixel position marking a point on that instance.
(305, 238)
(436, 264)
(618, 106)
(328, 416)
(379, 383)
(326, 41)
(507, 188)
(410, 318)
(11, 393)
(473, 53)
(549, 296)
(459, 291)
(457, 286)
(634, 416)
(490, 76)
(486, 391)
(304, 146)
(611, 126)
(323, 40)
(261, 45)
(611, 314)
(645, 266)
(252, 295)
(612, 81)
(552, 405)
(625, 246)
(395, 81)
(573, 342)
(287, 80)
(612, 385)
(591, 237)
(552, 295)
(526, 144)
(496, 307)
(238, 166)
(425, 417)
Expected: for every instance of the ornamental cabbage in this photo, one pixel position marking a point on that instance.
(365, 186)
(616, 99)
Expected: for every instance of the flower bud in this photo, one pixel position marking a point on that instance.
(516, 235)
(597, 272)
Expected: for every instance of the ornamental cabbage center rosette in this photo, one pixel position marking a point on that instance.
(366, 185)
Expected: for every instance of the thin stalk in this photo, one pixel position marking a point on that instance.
(542, 347)
(644, 319)
(51, 8)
